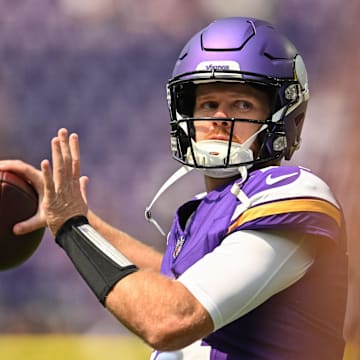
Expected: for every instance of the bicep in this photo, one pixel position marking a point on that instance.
(245, 270)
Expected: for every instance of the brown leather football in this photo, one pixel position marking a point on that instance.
(18, 201)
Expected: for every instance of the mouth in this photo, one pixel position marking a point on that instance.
(218, 137)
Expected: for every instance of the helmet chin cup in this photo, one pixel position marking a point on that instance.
(213, 158)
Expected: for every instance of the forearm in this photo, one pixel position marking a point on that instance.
(144, 256)
(159, 310)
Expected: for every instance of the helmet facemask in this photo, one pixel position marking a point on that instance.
(218, 158)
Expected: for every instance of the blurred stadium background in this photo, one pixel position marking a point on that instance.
(99, 67)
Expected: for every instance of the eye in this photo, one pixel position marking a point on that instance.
(209, 105)
(206, 107)
(242, 105)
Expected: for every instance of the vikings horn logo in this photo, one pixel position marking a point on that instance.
(178, 247)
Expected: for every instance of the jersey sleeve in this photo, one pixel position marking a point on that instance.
(227, 283)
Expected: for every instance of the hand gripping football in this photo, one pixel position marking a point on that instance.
(18, 201)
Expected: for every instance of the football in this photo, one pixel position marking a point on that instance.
(18, 201)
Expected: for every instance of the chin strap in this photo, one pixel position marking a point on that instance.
(235, 190)
(171, 180)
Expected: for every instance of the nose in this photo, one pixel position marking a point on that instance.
(220, 113)
(220, 119)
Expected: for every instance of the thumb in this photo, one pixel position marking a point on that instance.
(34, 223)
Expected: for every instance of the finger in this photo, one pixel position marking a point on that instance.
(34, 177)
(29, 225)
(75, 155)
(38, 220)
(83, 187)
(58, 162)
(27, 171)
(65, 151)
(12, 165)
(49, 185)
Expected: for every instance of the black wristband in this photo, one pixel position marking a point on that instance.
(99, 263)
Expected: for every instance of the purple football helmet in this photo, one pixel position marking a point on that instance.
(248, 51)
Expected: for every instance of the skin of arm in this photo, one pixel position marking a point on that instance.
(158, 309)
(144, 256)
(141, 254)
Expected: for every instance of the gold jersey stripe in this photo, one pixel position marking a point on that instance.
(288, 206)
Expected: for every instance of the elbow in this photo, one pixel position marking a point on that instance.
(169, 337)
(175, 335)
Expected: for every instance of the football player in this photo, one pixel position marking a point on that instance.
(255, 267)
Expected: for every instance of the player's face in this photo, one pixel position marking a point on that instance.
(229, 100)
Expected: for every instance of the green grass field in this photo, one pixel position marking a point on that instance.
(72, 347)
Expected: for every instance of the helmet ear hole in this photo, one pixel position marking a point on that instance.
(299, 121)
(295, 141)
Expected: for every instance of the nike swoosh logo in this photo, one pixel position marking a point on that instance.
(270, 180)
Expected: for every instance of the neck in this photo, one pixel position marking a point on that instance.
(213, 183)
